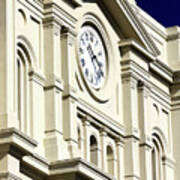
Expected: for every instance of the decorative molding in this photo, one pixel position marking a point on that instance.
(173, 37)
(36, 77)
(9, 176)
(160, 68)
(101, 119)
(145, 88)
(54, 12)
(78, 165)
(69, 34)
(52, 81)
(132, 44)
(133, 176)
(35, 8)
(145, 36)
(145, 141)
(132, 133)
(168, 161)
(16, 142)
(152, 26)
(70, 92)
(74, 3)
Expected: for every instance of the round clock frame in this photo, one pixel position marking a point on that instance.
(92, 56)
(97, 67)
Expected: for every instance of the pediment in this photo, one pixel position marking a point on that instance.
(125, 22)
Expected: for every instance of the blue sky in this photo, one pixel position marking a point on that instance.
(167, 12)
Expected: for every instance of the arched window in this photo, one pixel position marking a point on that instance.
(110, 160)
(23, 65)
(156, 154)
(79, 138)
(93, 150)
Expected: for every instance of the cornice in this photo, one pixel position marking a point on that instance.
(132, 44)
(17, 142)
(100, 119)
(173, 33)
(173, 37)
(160, 68)
(153, 27)
(9, 176)
(79, 166)
(53, 170)
(36, 7)
(160, 96)
(73, 3)
(130, 69)
(62, 17)
(148, 41)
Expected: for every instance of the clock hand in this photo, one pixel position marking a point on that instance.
(99, 65)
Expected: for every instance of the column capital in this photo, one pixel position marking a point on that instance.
(103, 131)
(144, 87)
(85, 121)
(131, 79)
(69, 34)
(54, 24)
(120, 142)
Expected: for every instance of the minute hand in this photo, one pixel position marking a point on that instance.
(99, 65)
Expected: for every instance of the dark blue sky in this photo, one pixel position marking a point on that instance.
(167, 12)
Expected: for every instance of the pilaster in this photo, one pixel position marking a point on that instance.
(175, 114)
(36, 109)
(103, 136)
(8, 116)
(130, 112)
(120, 158)
(86, 125)
(55, 147)
(145, 140)
(70, 93)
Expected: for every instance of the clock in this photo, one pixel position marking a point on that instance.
(92, 56)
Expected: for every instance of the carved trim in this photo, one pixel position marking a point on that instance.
(9, 176)
(36, 77)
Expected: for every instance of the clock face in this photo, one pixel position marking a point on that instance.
(92, 56)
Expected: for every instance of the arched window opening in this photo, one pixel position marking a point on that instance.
(23, 66)
(79, 138)
(93, 150)
(156, 155)
(110, 160)
(154, 159)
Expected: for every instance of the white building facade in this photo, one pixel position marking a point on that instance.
(88, 90)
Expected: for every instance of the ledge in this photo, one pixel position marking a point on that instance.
(78, 168)
(133, 45)
(70, 169)
(163, 70)
(13, 141)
